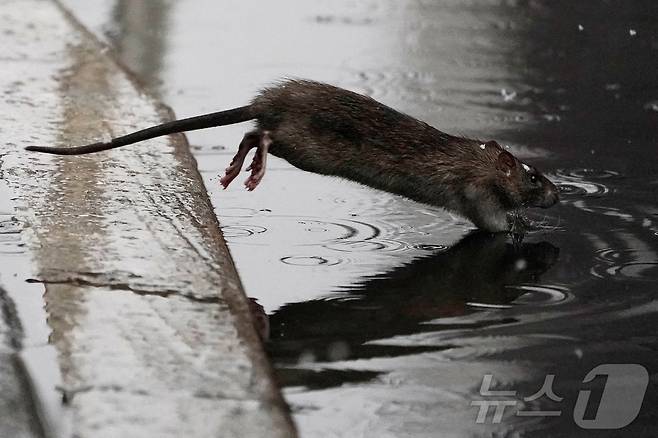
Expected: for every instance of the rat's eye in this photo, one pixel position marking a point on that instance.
(534, 179)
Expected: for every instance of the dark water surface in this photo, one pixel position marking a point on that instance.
(386, 314)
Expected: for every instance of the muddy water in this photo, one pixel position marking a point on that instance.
(386, 314)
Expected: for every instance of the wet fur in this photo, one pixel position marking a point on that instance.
(328, 130)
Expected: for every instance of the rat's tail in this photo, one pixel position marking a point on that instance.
(221, 118)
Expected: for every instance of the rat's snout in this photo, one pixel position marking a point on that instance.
(551, 195)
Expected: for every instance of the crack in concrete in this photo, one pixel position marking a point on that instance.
(69, 393)
(164, 293)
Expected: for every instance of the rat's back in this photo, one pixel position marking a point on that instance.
(329, 130)
(333, 111)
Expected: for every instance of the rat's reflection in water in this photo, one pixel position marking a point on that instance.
(479, 268)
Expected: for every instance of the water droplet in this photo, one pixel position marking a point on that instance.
(338, 350)
(507, 95)
(651, 106)
(520, 265)
(307, 357)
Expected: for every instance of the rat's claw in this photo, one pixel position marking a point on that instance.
(257, 166)
(250, 140)
(257, 173)
(231, 172)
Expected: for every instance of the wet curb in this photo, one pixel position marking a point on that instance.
(123, 311)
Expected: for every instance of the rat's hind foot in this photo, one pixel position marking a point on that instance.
(250, 140)
(257, 166)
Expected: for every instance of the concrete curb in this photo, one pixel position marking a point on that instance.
(148, 332)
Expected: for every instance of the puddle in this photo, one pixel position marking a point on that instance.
(386, 314)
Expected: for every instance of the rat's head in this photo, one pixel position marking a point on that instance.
(522, 185)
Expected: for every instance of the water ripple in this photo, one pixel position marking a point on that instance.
(311, 261)
(583, 182)
(430, 247)
(541, 295)
(367, 246)
(530, 295)
(628, 263)
(340, 230)
(233, 231)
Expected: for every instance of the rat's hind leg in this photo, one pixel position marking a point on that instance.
(257, 166)
(250, 140)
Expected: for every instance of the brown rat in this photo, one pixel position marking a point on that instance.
(331, 131)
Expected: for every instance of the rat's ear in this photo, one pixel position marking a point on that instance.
(505, 161)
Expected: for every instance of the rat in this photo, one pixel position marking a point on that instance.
(331, 131)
